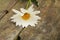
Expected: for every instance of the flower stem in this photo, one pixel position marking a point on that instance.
(29, 2)
(18, 36)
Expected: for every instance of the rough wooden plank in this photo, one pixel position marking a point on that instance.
(57, 3)
(7, 8)
(2, 13)
(8, 30)
(3, 4)
(48, 28)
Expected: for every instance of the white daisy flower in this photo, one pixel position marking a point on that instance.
(25, 17)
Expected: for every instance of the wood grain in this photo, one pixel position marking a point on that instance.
(47, 29)
(8, 30)
(8, 7)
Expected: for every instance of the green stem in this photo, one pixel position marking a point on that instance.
(29, 2)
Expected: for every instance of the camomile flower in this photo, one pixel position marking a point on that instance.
(25, 17)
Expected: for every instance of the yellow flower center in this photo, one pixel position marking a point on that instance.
(26, 16)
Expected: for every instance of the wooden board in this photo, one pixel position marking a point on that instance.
(47, 29)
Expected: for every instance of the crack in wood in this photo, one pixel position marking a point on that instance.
(8, 8)
(2, 14)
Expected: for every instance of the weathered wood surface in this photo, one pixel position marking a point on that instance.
(47, 29)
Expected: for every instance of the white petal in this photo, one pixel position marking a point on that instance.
(15, 16)
(32, 24)
(23, 10)
(18, 12)
(31, 9)
(38, 17)
(19, 24)
(23, 26)
(16, 24)
(13, 21)
(15, 11)
(36, 12)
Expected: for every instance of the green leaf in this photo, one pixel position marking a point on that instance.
(35, 2)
